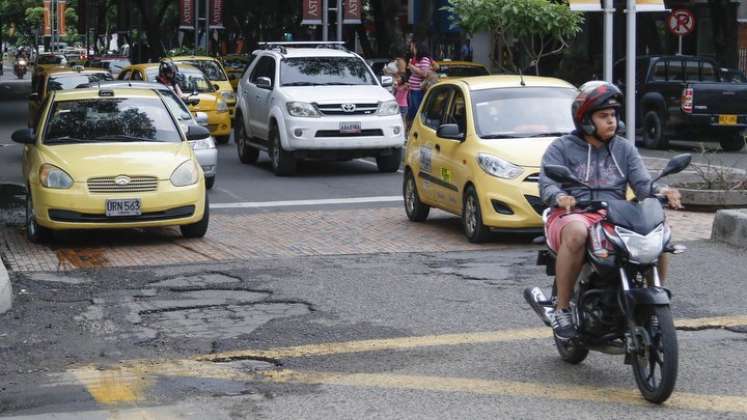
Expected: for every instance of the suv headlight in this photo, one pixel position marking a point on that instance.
(54, 177)
(222, 107)
(388, 108)
(302, 109)
(207, 143)
(498, 167)
(185, 174)
(229, 97)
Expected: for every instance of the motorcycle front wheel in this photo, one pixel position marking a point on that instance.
(655, 366)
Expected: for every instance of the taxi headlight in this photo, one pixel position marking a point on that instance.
(185, 174)
(54, 177)
(302, 109)
(229, 97)
(222, 107)
(388, 108)
(207, 143)
(498, 167)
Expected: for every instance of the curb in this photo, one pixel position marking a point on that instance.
(730, 226)
(6, 290)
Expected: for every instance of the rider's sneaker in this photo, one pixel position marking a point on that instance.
(562, 324)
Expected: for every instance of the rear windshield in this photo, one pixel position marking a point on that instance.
(212, 69)
(193, 81)
(462, 71)
(74, 81)
(49, 59)
(110, 120)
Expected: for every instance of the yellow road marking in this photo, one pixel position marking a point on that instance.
(113, 386)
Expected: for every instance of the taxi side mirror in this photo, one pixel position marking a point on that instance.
(202, 119)
(196, 132)
(34, 97)
(193, 100)
(24, 136)
(450, 131)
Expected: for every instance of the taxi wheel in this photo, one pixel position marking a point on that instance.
(34, 232)
(283, 163)
(474, 230)
(415, 209)
(222, 139)
(198, 230)
(247, 154)
(209, 182)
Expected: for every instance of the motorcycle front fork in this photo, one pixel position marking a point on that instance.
(636, 337)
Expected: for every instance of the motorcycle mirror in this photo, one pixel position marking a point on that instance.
(676, 164)
(561, 174)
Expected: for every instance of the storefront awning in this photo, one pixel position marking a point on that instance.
(596, 5)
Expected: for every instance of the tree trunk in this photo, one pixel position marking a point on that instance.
(387, 31)
(423, 27)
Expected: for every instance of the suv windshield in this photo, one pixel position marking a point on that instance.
(523, 112)
(110, 120)
(310, 71)
(211, 69)
(73, 81)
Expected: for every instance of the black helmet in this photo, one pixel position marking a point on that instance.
(167, 67)
(594, 96)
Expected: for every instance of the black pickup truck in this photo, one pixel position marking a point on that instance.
(685, 98)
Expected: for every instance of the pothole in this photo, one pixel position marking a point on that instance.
(208, 279)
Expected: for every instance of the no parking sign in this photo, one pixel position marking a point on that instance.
(681, 22)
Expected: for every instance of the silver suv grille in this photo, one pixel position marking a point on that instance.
(107, 184)
(347, 109)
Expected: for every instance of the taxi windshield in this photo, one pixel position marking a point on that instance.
(110, 120)
(523, 112)
(73, 81)
(212, 69)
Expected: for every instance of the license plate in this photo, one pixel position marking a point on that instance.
(126, 207)
(350, 127)
(727, 119)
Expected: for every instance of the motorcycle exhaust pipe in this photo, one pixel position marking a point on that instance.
(533, 296)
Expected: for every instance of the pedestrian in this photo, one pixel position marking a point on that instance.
(420, 66)
(401, 92)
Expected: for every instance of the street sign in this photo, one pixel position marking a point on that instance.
(681, 22)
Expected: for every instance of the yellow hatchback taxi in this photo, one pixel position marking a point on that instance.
(448, 68)
(215, 73)
(111, 158)
(475, 149)
(235, 66)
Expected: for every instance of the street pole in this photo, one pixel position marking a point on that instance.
(207, 27)
(325, 20)
(630, 62)
(339, 20)
(196, 12)
(608, 52)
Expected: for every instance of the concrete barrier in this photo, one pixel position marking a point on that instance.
(6, 291)
(730, 226)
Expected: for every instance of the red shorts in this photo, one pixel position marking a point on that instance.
(558, 219)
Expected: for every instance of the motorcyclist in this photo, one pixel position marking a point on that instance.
(602, 159)
(167, 75)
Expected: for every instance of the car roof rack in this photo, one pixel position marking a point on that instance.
(282, 46)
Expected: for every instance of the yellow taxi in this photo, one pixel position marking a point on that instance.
(215, 73)
(475, 149)
(43, 64)
(235, 65)
(61, 78)
(448, 68)
(111, 158)
(192, 80)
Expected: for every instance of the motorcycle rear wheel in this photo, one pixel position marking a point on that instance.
(655, 367)
(570, 351)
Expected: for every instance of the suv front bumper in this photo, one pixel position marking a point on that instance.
(377, 132)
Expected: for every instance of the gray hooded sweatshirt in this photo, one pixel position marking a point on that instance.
(613, 166)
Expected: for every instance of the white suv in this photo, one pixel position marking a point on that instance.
(296, 102)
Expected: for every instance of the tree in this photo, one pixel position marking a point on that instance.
(534, 28)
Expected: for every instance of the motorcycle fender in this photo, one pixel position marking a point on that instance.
(649, 296)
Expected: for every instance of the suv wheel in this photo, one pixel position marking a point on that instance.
(653, 131)
(733, 142)
(247, 154)
(390, 163)
(283, 163)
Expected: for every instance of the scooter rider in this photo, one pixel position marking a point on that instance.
(167, 76)
(601, 159)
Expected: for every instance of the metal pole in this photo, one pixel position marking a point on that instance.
(608, 51)
(207, 27)
(680, 45)
(339, 20)
(630, 61)
(196, 11)
(325, 20)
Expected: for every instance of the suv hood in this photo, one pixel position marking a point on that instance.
(525, 152)
(83, 161)
(337, 94)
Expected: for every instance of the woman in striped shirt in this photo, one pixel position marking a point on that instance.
(420, 67)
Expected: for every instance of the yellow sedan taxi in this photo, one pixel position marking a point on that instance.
(215, 73)
(111, 158)
(192, 80)
(475, 149)
(235, 65)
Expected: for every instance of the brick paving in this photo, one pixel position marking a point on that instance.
(263, 235)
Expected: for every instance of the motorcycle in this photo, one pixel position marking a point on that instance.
(618, 303)
(20, 68)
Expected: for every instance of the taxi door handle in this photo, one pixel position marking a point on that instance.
(438, 147)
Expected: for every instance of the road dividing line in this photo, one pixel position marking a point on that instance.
(294, 203)
(113, 386)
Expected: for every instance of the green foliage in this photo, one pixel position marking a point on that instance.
(538, 28)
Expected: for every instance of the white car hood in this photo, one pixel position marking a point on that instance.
(337, 94)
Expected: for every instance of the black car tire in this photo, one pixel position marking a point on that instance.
(653, 131)
(35, 233)
(415, 209)
(283, 163)
(199, 229)
(209, 182)
(474, 229)
(222, 139)
(733, 142)
(247, 154)
(390, 163)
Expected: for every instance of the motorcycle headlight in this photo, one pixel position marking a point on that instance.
(22, 63)
(207, 143)
(222, 107)
(643, 249)
(185, 174)
(302, 109)
(498, 167)
(54, 177)
(388, 108)
(229, 97)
